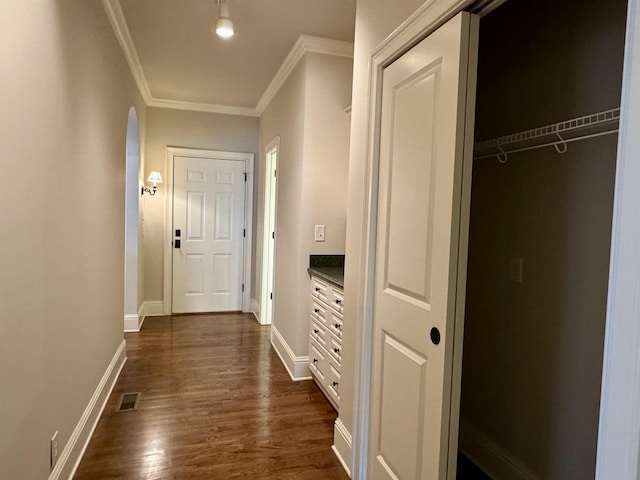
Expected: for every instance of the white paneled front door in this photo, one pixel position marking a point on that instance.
(423, 202)
(208, 230)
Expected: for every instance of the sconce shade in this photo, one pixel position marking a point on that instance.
(155, 177)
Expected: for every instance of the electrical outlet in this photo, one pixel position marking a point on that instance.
(319, 233)
(515, 269)
(54, 450)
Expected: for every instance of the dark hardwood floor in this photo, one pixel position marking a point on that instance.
(216, 403)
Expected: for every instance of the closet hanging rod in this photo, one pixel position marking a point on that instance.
(561, 133)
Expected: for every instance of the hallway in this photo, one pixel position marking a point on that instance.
(216, 403)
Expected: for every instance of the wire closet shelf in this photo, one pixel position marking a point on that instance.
(556, 135)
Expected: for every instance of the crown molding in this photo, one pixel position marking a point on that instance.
(203, 107)
(120, 28)
(304, 44)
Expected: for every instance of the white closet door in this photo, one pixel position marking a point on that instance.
(208, 221)
(422, 206)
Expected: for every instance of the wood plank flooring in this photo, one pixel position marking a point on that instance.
(216, 403)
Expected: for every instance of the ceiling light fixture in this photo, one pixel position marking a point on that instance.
(224, 25)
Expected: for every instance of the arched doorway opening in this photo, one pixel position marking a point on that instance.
(131, 224)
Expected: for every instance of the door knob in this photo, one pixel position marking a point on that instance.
(435, 336)
(176, 243)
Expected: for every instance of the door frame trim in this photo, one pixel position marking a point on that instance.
(618, 452)
(248, 159)
(431, 15)
(272, 145)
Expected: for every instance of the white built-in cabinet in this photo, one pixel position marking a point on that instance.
(325, 343)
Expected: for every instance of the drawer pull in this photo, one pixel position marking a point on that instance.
(337, 350)
(316, 310)
(338, 301)
(335, 384)
(315, 360)
(336, 326)
(317, 289)
(316, 331)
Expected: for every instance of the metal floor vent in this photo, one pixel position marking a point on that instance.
(128, 402)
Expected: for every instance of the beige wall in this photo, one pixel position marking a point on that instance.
(375, 20)
(66, 92)
(284, 117)
(326, 151)
(186, 129)
(533, 351)
(308, 115)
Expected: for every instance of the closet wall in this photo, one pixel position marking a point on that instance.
(533, 350)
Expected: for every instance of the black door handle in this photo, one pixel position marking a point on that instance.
(176, 243)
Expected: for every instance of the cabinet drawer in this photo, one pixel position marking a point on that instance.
(319, 334)
(336, 298)
(320, 290)
(333, 383)
(318, 362)
(319, 312)
(335, 324)
(334, 347)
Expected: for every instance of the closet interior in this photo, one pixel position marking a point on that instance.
(547, 111)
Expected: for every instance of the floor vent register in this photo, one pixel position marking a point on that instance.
(128, 402)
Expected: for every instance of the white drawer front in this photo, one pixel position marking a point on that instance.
(318, 362)
(319, 312)
(336, 299)
(320, 334)
(333, 382)
(320, 290)
(335, 349)
(335, 324)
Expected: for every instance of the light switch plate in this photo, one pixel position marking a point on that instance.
(319, 233)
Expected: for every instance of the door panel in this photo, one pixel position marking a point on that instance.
(195, 216)
(209, 208)
(224, 217)
(423, 133)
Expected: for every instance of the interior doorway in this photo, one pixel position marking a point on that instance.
(131, 224)
(269, 231)
(203, 209)
(208, 226)
(581, 186)
(542, 192)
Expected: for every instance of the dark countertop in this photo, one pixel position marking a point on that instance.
(333, 275)
(328, 267)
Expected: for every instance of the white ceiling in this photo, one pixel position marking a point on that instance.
(182, 61)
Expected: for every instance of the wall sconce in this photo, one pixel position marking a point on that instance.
(155, 178)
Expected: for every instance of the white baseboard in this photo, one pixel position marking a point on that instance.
(132, 323)
(152, 308)
(494, 459)
(73, 451)
(298, 367)
(255, 309)
(342, 445)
